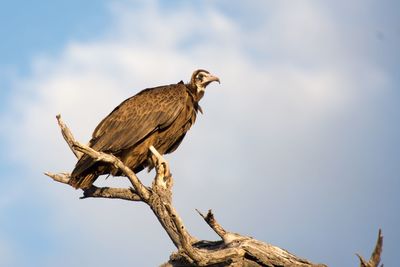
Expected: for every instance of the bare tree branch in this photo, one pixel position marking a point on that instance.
(79, 148)
(98, 192)
(376, 254)
(210, 220)
(62, 177)
(141, 190)
(234, 250)
(68, 136)
(110, 192)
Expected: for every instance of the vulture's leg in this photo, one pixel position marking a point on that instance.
(163, 177)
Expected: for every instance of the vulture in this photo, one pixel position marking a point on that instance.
(158, 117)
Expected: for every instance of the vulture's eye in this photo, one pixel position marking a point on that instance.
(200, 77)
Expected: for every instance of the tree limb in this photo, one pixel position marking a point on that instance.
(210, 220)
(140, 189)
(110, 192)
(78, 148)
(376, 254)
(98, 192)
(62, 177)
(68, 136)
(234, 250)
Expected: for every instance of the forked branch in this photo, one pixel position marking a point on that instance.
(233, 250)
(376, 254)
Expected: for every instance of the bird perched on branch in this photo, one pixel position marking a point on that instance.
(158, 117)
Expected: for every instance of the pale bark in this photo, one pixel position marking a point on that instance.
(233, 250)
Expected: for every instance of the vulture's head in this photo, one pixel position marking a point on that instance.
(199, 81)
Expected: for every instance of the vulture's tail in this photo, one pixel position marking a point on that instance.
(83, 182)
(84, 174)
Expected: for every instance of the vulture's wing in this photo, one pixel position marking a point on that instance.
(138, 116)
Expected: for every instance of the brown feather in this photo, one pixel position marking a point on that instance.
(158, 116)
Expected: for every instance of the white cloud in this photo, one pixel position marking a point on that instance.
(249, 119)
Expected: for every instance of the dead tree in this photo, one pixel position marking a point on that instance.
(232, 250)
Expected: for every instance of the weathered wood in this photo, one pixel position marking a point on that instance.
(68, 136)
(376, 254)
(233, 250)
(210, 220)
(98, 192)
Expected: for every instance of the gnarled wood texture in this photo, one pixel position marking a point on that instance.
(233, 250)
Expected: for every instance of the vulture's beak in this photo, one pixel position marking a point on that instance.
(209, 79)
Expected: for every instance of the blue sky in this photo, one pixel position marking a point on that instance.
(297, 147)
